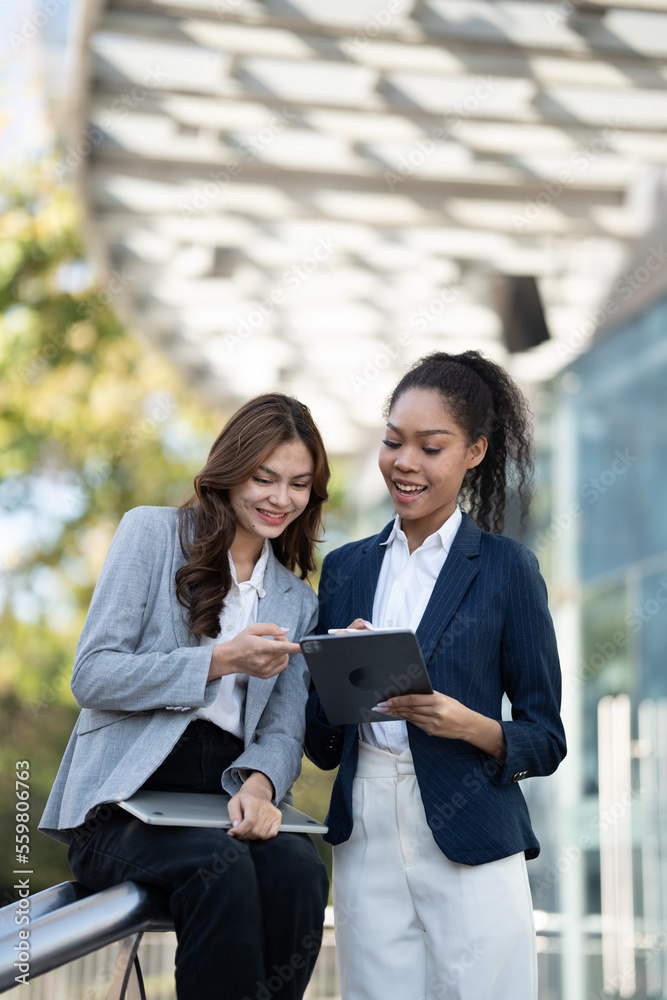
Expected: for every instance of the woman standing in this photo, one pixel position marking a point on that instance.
(189, 680)
(430, 828)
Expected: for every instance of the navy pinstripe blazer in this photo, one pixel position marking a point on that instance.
(485, 631)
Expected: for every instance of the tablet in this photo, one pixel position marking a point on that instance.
(201, 809)
(352, 672)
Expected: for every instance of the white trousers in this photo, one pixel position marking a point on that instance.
(413, 925)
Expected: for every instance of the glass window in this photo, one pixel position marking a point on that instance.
(605, 666)
(647, 619)
(621, 415)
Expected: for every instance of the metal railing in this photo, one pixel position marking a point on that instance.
(67, 922)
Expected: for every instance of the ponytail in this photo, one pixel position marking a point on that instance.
(484, 401)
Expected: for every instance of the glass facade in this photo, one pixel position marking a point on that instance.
(621, 417)
(602, 544)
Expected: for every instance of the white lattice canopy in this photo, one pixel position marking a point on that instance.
(308, 195)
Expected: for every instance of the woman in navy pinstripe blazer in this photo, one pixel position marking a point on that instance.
(429, 826)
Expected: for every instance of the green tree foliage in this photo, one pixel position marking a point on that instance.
(92, 423)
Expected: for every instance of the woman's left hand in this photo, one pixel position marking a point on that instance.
(439, 715)
(252, 810)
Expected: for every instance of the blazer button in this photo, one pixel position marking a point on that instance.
(519, 775)
(334, 743)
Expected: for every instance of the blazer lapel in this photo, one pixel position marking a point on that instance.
(270, 608)
(365, 582)
(460, 569)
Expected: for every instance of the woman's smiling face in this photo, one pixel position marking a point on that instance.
(424, 457)
(276, 494)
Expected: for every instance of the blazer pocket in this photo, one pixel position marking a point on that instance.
(96, 718)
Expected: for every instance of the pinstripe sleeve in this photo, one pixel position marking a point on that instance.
(324, 743)
(535, 739)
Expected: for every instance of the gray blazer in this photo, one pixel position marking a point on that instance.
(139, 677)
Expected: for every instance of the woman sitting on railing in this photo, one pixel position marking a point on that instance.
(182, 690)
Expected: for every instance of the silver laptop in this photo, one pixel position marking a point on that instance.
(200, 809)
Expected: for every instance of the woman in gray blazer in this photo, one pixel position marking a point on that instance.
(190, 679)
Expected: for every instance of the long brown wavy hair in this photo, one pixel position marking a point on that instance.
(206, 520)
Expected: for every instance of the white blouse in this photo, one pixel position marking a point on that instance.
(239, 611)
(403, 590)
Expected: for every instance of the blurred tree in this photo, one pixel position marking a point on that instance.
(92, 422)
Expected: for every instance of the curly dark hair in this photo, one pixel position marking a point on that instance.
(484, 401)
(206, 520)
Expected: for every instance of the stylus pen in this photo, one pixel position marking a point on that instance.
(369, 628)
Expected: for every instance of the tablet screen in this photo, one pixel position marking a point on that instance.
(352, 672)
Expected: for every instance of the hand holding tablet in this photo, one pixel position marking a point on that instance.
(367, 626)
(355, 670)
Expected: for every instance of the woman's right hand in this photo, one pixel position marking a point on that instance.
(251, 653)
(359, 623)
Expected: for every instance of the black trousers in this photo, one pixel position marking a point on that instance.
(248, 914)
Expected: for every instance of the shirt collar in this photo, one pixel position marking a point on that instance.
(256, 581)
(394, 533)
(443, 536)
